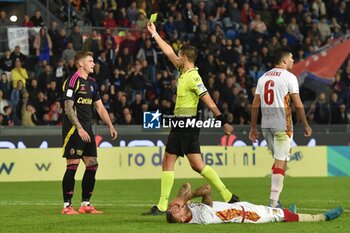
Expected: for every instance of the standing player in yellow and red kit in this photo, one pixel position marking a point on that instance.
(80, 92)
(273, 93)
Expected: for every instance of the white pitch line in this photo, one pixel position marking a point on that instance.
(135, 203)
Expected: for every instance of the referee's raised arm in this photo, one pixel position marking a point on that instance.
(165, 47)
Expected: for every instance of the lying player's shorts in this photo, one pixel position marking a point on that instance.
(279, 142)
(75, 148)
(183, 142)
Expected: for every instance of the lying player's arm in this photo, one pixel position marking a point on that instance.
(68, 108)
(101, 110)
(206, 98)
(253, 134)
(166, 48)
(185, 194)
(301, 113)
(204, 192)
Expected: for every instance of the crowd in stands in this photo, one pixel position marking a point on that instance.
(236, 40)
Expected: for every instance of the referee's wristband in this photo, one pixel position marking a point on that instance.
(154, 34)
(222, 119)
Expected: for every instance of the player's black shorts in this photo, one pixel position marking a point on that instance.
(183, 142)
(73, 145)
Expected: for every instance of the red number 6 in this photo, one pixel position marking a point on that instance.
(269, 95)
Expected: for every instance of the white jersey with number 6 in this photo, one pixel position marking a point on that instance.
(274, 88)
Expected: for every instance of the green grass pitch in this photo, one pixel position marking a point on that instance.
(36, 206)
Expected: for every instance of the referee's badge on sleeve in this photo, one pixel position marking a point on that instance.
(69, 93)
(201, 87)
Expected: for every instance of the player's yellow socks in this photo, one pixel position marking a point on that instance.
(166, 185)
(213, 178)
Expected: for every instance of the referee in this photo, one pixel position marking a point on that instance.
(186, 141)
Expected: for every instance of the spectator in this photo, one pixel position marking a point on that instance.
(258, 26)
(55, 37)
(60, 74)
(247, 14)
(76, 38)
(318, 8)
(55, 113)
(104, 72)
(62, 43)
(137, 81)
(5, 85)
(18, 73)
(118, 79)
(43, 45)
(93, 43)
(7, 64)
(8, 119)
(37, 19)
(41, 105)
(68, 53)
(3, 102)
(16, 94)
(27, 22)
(4, 23)
(97, 14)
(133, 12)
(53, 95)
(322, 110)
(136, 107)
(33, 90)
(45, 78)
(324, 29)
(122, 18)
(141, 21)
(17, 54)
(109, 21)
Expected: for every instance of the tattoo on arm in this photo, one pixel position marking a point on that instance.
(68, 108)
(204, 192)
(185, 192)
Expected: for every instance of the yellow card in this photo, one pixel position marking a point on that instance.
(153, 17)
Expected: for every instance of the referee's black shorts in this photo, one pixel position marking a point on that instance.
(183, 142)
(74, 147)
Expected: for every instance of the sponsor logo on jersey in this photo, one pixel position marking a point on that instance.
(82, 100)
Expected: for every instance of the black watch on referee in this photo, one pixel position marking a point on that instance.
(222, 119)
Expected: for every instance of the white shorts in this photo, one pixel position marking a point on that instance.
(279, 142)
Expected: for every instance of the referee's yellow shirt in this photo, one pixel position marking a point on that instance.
(189, 89)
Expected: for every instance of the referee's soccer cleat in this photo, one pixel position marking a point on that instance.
(69, 210)
(233, 199)
(333, 213)
(89, 210)
(293, 208)
(154, 211)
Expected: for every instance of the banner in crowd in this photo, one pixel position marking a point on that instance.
(18, 36)
(145, 163)
(325, 63)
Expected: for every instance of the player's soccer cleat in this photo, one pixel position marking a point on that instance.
(154, 211)
(333, 213)
(89, 210)
(293, 208)
(69, 210)
(233, 199)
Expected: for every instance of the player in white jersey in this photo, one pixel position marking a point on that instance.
(273, 93)
(209, 212)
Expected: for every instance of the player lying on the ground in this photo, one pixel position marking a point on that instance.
(209, 212)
